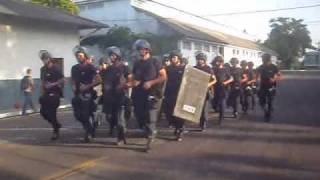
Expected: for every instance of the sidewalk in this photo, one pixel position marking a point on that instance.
(17, 112)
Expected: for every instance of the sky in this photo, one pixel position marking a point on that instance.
(256, 24)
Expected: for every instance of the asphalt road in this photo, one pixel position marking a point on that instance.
(246, 148)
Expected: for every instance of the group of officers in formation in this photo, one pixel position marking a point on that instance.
(151, 87)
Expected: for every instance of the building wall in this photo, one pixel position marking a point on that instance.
(120, 13)
(20, 42)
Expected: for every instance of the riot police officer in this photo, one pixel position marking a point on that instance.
(52, 81)
(201, 59)
(174, 72)
(269, 75)
(147, 80)
(244, 90)
(224, 78)
(115, 95)
(84, 78)
(251, 89)
(234, 93)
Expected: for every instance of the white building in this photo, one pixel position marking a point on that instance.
(143, 16)
(24, 30)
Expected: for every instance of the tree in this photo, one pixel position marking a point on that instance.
(289, 37)
(65, 5)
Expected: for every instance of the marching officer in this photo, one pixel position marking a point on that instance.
(238, 79)
(147, 80)
(175, 73)
(201, 59)
(244, 90)
(115, 95)
(269, 75)
(84, 78)
(224, 78)
(52, 81)
(251, 89)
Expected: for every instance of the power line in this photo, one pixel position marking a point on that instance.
(262, 11)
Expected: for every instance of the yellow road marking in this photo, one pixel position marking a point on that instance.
(74, 170)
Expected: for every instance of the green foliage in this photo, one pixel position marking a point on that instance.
(289, 37)
(65, 5)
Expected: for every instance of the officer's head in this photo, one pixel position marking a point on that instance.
(28, 71)
(250, 64)
(104, 62)
(234, 62)
(45, 57)
(143, 47)
(114, 54)
(184, 61)
(165, 61)
(266, 58)
(201, 59)
(227, 65)
(218, 61)
(175, 57)
(81, 54)
(244, 64)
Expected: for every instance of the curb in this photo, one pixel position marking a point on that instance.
(18, 113)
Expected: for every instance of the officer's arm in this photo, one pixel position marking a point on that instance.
(230, 80)
(244, 78)
(161, 78)
(213, 81)
(132, 82)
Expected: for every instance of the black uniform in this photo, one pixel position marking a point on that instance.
(174, 74)
(220, 90)
(251, 89)
(234, 94)
(50, 100)
(244, 92)
(205, 110)
(115, 98)
(267, 89)
(83, 102)
(147, 103)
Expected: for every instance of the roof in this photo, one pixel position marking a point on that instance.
(202, 33)
(28, 10)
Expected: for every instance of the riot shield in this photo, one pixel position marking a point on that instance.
(192, 94)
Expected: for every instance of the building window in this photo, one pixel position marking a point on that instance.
(95, 5)
(238, 52)
(198, 46)
(234, 52)
(206, 47)
(186, 45)
(214, 48)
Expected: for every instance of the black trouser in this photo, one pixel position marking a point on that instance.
(204, 114)
(244, 98)
(233, 98)
(266, 98)
(48, 110)
(169, 105)
(219, 101)
(146, 110)
(116, 114)
(83, 108)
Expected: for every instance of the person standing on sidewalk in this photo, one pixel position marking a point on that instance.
(27, 87)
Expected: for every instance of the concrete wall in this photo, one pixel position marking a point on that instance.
(21, 40)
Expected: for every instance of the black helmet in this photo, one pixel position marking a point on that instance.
(113, 50)
(104, 60)
(141, 44)
(201, 55)
(234, 61)
(217, 59)
(250, 63)
(243, 63)
(184, 61)
(175, 53)
(81, 49)
(44, 54)
(266, 57)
